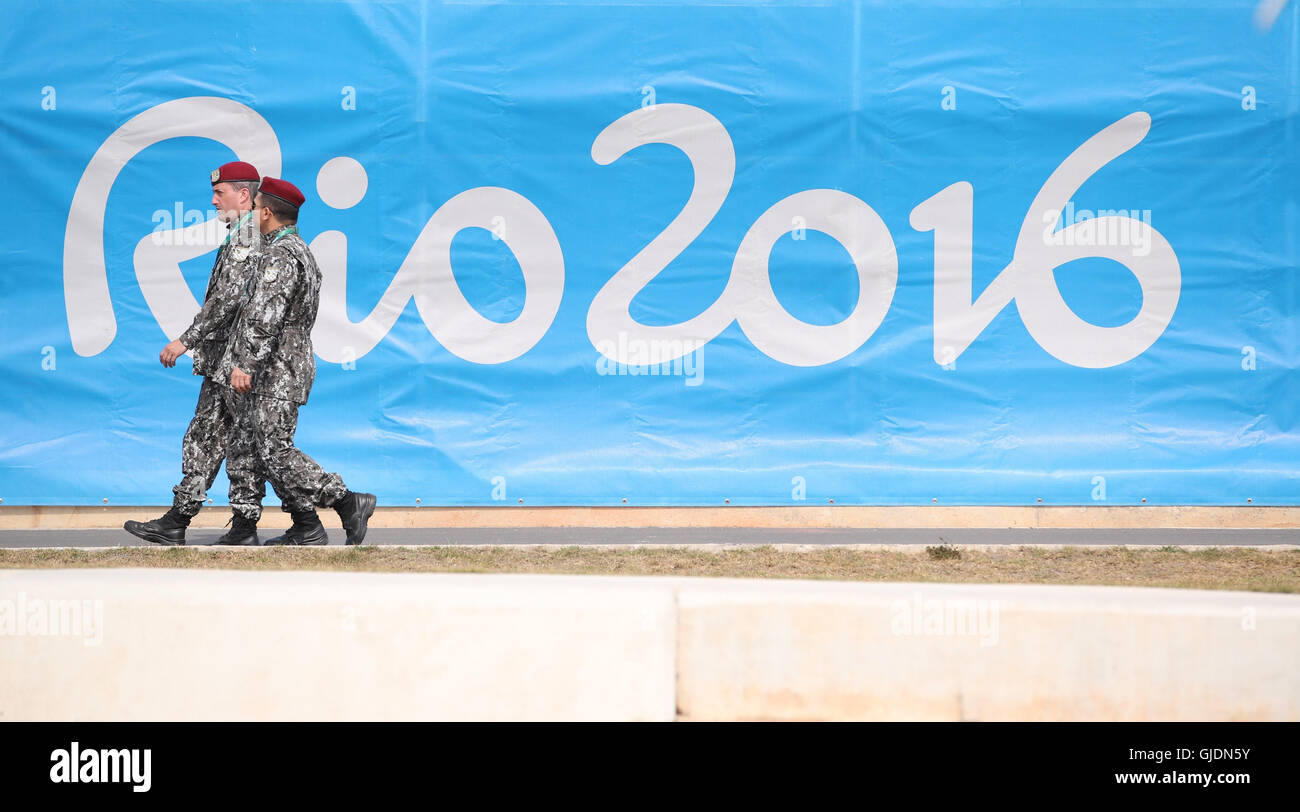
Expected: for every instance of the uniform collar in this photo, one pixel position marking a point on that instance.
(240, 223)
(281, 233)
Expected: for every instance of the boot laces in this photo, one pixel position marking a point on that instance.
(304, 522)
(239, 521)
(172, 519)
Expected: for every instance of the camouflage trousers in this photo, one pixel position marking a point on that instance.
(206, 444)
(203, 449)
(247, 483)
(262, 448)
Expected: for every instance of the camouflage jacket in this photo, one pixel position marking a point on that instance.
(207, 334)
(271, 339)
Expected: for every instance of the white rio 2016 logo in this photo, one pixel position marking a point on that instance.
(748, 299)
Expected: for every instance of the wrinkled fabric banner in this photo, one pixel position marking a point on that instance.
(675, 254)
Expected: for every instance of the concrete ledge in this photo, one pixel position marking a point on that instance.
(181, 645)
(950, 652)
(55, 517)
(346, 647)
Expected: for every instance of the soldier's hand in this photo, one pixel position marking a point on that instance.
(240, 380)
(171, 352)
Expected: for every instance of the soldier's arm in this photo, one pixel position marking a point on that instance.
(219, 308)
(274, 279)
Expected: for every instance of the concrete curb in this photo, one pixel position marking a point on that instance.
(1095, 517)
(211, 645)
(911, 549)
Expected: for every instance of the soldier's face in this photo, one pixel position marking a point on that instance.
(261, 215)
(229, 202)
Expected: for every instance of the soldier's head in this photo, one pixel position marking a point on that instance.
(233, 187)
(277, 204)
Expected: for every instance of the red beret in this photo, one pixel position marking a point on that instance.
(282, 189)
(234, 171)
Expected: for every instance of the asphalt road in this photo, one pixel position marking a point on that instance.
(678, 536)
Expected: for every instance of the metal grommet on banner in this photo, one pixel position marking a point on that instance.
(417, 500)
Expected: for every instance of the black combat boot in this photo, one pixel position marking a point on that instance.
(168, 529)
(242, 532)
(306, 529)
(355, 510)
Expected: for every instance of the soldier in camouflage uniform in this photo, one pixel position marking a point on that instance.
(269, 357)
(233, 188)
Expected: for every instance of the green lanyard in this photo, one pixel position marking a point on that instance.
(284, 232)
(238, 224)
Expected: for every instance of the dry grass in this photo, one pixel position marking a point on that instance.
(1213, 568)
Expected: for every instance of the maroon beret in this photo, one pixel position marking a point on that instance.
(282, 189)
(234, 171)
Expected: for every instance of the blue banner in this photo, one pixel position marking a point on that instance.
(675, 254)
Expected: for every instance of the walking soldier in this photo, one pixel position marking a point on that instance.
(233, 188)
(269, 357)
